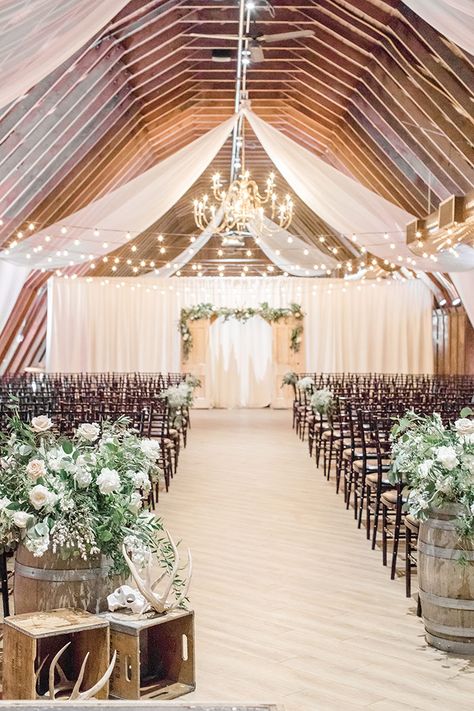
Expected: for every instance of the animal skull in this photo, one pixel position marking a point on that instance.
(159, 602)
(128, 597)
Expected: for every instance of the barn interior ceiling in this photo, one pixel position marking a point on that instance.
(376, 92)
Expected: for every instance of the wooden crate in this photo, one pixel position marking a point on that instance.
(155, 655)
(31, 637)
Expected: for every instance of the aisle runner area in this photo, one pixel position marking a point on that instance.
(291, 604)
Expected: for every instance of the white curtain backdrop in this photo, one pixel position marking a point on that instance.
(36, 37)
(453, 18)
(134, 206)
(99, 325)
(347, 205)
(464, 283)
(12, 279)
(241, 373)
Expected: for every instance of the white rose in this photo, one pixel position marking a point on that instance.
(88, 431)
(42, 423)
(464, 426)
(21, 518)
(425, 467)
(150, 448)
(135, 502)
(447, 458)
(108, 481)
(35, 469)
(4, 502)
(41, 496)
(140, 480)
(86, 460)
(82, 477)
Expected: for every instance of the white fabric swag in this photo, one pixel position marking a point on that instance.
(12, 279)
(37, 36)
(464, 283)
(452, 18)
(134, 206)
(347, 205)
(100, 325)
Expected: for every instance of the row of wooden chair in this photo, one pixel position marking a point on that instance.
(352, 442)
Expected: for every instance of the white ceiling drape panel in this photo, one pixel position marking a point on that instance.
(464, 283)
(290, 253)
(12, 279)
(134, 206)
(348, 206)
(452, 18)
(131, 324)
(36, 36)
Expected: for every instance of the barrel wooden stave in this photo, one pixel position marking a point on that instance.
(446, 584)
(49, 583)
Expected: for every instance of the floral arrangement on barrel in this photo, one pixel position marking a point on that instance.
(322, 402)
(82, 496)
(436, 462)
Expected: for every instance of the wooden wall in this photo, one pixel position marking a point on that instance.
(453, 338)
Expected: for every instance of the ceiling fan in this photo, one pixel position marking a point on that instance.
(256, 40)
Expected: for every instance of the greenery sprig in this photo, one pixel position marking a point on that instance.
(209, 311)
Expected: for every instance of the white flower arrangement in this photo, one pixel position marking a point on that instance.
(289, 378)
(81, 496)
(437, 464)
(305, 384)
(322, 401)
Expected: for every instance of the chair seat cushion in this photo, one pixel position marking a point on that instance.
(372, 480)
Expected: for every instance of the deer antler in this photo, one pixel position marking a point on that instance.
(66, 685)
(159, 602)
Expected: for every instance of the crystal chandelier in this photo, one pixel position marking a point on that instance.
(241, 205)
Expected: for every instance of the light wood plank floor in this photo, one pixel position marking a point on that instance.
(291, 604)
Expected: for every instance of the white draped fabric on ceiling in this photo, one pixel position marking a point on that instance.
(100, 325)
(453, 18)
(12, 279)
(134, 206)
(36, 37)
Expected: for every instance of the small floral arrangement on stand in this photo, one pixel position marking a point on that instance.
(437, 464)
(305, 384)
(322, 402)
(290, 378)
(180, 396)
(81, 496)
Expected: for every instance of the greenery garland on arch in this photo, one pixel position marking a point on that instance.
(209, 311)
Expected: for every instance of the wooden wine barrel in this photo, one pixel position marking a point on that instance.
(49, 583)
(446, 581)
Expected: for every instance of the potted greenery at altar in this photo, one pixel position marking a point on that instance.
(68, 506)
(436, 464)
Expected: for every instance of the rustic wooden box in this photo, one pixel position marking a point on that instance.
(31, 637)
(155, 655)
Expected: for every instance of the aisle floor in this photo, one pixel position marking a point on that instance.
(292, 606)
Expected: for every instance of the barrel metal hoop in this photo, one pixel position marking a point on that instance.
(61, 576)
(447, 553)
(436, 628)
(451, 602)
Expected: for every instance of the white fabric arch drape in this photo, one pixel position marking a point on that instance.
(240, 372)
(464, 283)
(347, 205)
(452, 18)
(134, 206)
(99, 325)
(37, 36)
